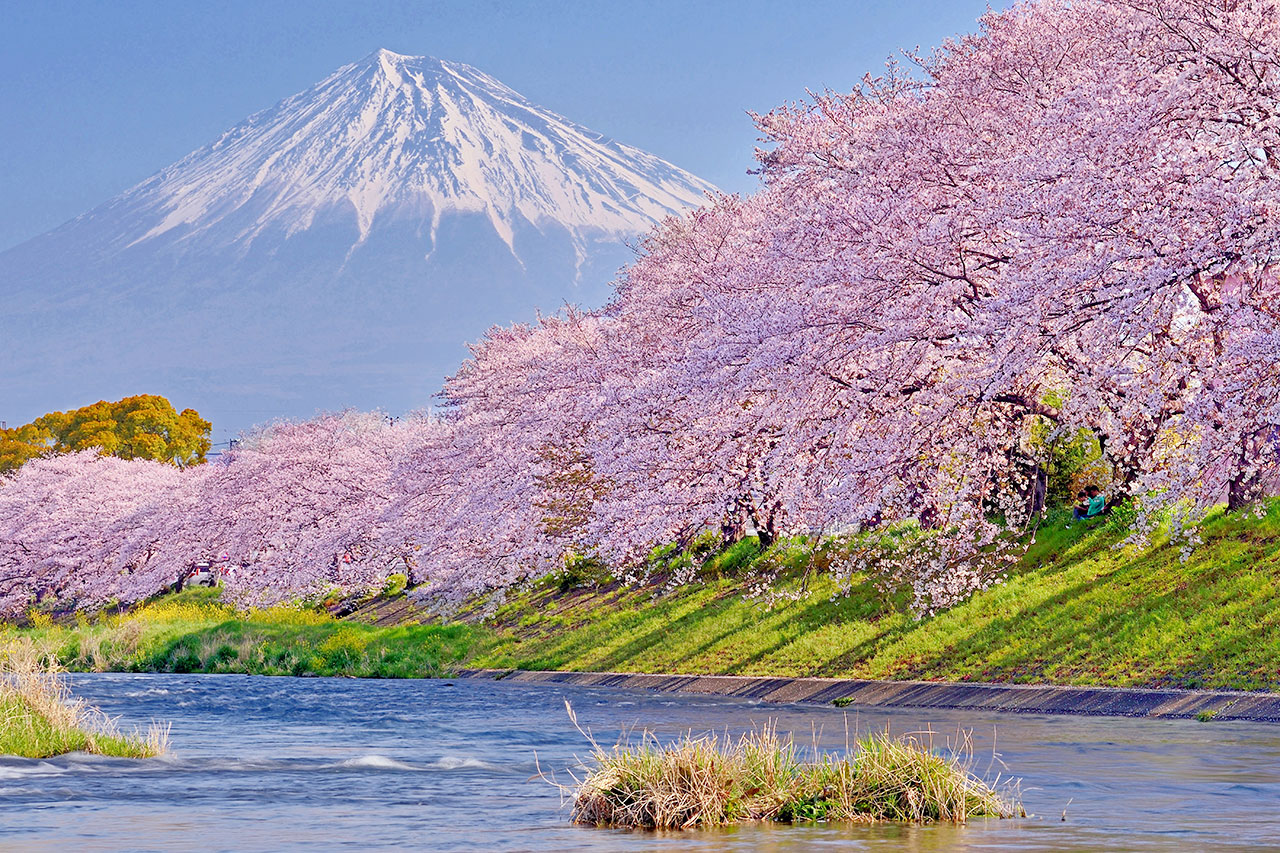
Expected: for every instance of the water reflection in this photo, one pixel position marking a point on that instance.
(264, 764)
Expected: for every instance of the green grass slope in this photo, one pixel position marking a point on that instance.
(1077, 610)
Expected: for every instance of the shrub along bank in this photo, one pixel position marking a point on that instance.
(1077, 609)
(193, 631)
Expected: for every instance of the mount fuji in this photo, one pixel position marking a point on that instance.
(334, 250)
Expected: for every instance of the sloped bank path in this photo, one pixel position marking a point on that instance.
(1017, 698)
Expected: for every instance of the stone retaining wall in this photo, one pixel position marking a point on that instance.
(1020, 698)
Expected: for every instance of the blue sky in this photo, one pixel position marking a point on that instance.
(97, 96)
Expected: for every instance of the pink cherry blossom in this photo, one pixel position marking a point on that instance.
(1066, 220)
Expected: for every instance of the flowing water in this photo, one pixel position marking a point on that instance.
(273, 763)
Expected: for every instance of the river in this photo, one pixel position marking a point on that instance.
(332, 764)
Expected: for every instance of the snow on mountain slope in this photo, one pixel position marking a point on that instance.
(399, 130)
(336, 249)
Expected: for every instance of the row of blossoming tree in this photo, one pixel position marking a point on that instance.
(1065, 223)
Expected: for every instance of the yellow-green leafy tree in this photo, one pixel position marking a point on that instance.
(145, 426)
(20, 444)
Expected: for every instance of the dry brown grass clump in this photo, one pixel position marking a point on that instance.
(712, 780)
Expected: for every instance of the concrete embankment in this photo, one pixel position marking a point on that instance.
(1018, 698)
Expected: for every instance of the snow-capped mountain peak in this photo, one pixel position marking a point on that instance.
(416, 133)
(337, 249)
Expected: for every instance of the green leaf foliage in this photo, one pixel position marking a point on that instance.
(145, 426)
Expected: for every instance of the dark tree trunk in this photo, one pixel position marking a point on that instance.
(1237, 494)
(1039, 491)
(1246, 484)
(766, 526)
(733, 529)
(1243, 488)
(1126, 466)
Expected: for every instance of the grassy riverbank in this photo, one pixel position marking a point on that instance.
(1075, 610)
(194, 632)
(39, 718)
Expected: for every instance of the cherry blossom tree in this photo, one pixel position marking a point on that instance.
(295, 509)
(68, 531)
(1064, 222)
(505, 488)
(1064, 219)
